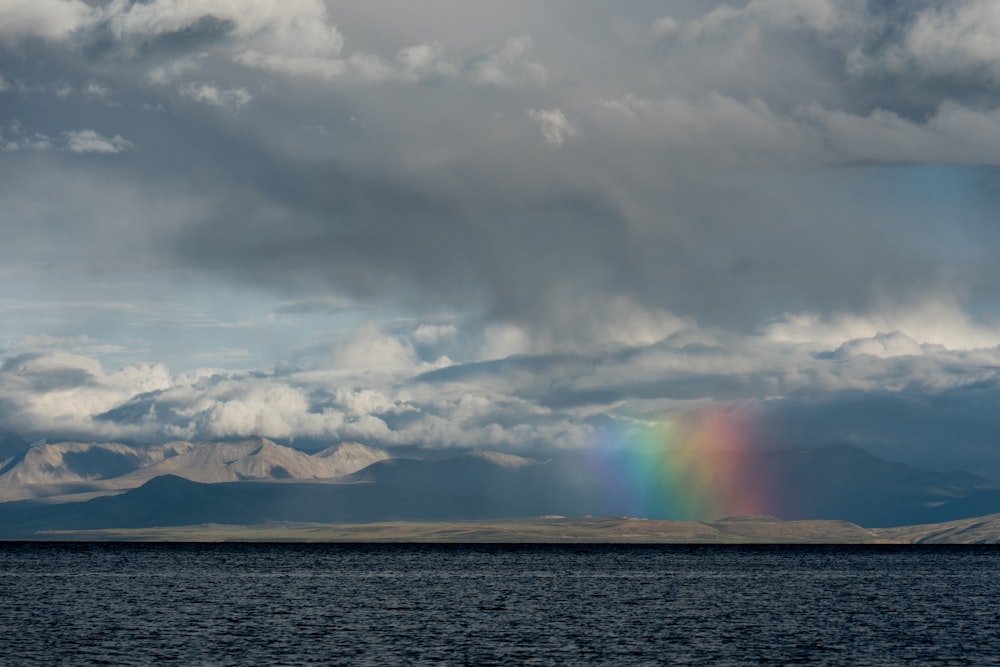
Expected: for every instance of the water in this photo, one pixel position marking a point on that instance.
(242, 604)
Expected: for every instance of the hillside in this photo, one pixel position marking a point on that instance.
(554, 530)
(79, 471)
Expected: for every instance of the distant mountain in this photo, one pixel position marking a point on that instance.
(260, 459)
(826, 483)
(531, 487)
(976, 530)
(65, 462)
(348, 457)
(57, 469)
(844, 482)
(174, 501)
(171, 508)
(837, 483)
(976, 504)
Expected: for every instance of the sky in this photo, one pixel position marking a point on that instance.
(517, 226)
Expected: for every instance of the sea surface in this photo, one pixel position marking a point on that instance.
(291, 604)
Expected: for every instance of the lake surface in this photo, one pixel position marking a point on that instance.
(243, 604)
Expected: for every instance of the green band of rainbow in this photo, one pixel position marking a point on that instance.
(689, 467)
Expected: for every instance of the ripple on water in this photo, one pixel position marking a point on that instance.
(243, 604)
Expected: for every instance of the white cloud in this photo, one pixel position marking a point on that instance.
(507, 65)
(13, 137)
(48, 19)
(232, 99)
(296, 38)
(504, 340)
(728, 130)
(89, 141)
(503, 66)
(554, 124)
(372, 350)
(259, 409)
(424, 60)
(679, 199)
(62, 392)
(884, 345)
(293, 27)
(934, 321)
(428, 334)
(510, 403)
(297, 65)
(170, 71)
(727, 22)
(622, 322)
(81, 345)
(666, 26)
(959, 38)
(97, 90)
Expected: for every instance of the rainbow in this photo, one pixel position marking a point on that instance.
(689, 467)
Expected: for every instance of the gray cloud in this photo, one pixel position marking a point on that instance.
(690, 193)
(889, 393)
(575, 212)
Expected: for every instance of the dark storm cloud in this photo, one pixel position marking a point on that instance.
(703, 189)
(581, 213)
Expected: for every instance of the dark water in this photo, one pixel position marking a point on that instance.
(378, 605)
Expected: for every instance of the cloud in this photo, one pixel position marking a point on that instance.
(785, 205)
(502, 66)
(742, 132)
(428, 334)
(47, 19)
(692, 189)
(295, 28)
(748, 22)
(231, 100)
(555, 127)
(89, 141)
(934, 321)
(958, 39)
(370, 348)
(64, 391)
(312, 66)
(81, 345)
(797, 392)
(506, 65)
(13, 137)
(96, 90)
(297, 38)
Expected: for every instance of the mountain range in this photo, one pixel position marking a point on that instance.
(79, 471)
(255, 481)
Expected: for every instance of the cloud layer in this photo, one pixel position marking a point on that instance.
(498, 226)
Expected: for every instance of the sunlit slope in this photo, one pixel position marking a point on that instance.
(48, 470)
